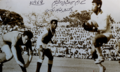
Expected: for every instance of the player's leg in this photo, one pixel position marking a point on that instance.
(100, 56)
(97, 45)
(7, 55)
(48, 53)
(93, 49)
(98, 41)
(40, 60)
(101, 67)
(6, 50)
(20, 58)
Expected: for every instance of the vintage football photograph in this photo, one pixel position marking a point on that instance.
(59, 36)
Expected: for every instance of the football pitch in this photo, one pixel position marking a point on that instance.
(61, 64)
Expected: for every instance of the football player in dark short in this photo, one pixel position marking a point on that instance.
(10, 44)
(42, 42)
(101, 24)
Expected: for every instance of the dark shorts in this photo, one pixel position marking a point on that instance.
(99, 40)
(48, 53)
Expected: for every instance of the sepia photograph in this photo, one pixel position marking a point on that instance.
(59, 36)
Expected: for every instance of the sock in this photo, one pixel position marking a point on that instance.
(49, 67)
(38, 66)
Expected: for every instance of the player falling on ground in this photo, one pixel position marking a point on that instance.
(10, 44)
(42, 42)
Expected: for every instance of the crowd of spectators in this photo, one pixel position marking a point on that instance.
(72, 42)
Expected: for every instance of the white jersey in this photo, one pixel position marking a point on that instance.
(100, 19)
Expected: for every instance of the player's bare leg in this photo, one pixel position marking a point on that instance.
(6, 57)
(99, 52)
(95, 57)
(101, 68)
(40, 60)
(100, 56)
(48, 53)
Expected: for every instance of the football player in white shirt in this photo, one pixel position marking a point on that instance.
(101, 24)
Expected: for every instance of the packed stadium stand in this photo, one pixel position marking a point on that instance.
(72, 42)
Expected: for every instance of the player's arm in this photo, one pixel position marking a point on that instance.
(90, 25)
(14, 41)
(93, 26)
(107, 23)
(53, 38)
(30, 53)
